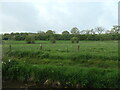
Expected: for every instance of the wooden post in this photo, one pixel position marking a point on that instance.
(40, 46)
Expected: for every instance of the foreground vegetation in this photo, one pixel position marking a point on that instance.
(61, 76)
(63, 64)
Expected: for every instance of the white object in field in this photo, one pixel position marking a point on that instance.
(9, 60)
(40, 45)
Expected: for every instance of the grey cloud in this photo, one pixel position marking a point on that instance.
(24, 13)
(57, 16)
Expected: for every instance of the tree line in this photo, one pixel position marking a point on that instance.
(98, 33)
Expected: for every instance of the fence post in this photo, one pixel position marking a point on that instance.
(40, 46)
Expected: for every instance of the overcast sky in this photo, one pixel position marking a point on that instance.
(56, 15)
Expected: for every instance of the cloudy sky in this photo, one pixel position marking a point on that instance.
(57, 15)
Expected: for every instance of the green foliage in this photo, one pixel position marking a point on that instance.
(50, 32)
(99, 50)
(65, 33)
(87, 35)
(75, 30)
(30, 39)
(52, 40)
(93, 66)
(18, 38)
(47, 55)
(75, 40)
(28, 54)
(66, 75)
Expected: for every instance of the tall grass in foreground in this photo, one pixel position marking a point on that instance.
(67, 76)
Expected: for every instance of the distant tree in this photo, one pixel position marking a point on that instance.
(83, 32)
(19, 37)
(92, 31)
(30, 39)
(40, 35)
(50, 32)
(99, 30)
(41, 32)
(52, 39)
(65, 33)
(115, 29)
(7, 36)
(75, 30)
(88, 31)
(107, 32)
(75, 40)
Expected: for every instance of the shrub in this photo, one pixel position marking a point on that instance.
(52, 39)
(30, 39)
(75, 40)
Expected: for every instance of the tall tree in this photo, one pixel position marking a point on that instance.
(41, 32)
(83, 32)
(65, 33)
(107, 32)
(92, 31)
(99, 30)
(75, 31)
(115, 29)
(88, 31)
(50, 32)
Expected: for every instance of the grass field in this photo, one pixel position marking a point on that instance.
(63, 64)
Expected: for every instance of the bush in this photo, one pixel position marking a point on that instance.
(30, 39)
(75, 40)
(52, 39)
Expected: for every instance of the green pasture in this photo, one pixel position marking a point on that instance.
(93, 64)
(66, 49)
